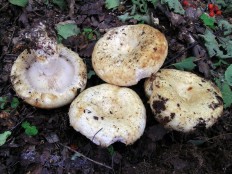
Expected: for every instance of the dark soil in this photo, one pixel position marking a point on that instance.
(52, 149)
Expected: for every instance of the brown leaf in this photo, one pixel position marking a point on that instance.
(87, 51)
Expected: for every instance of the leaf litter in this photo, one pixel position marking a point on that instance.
(158, 150)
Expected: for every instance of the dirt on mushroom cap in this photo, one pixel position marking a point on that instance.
(126, 54)
(108, 113)
(182, 100)
(49, 82)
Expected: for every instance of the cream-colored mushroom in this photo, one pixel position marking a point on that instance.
(126, 54)
(107, 113)
(182, 100)
(50, 76)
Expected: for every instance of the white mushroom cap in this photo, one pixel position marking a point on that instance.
(49, 81)
(126, 54)
(107, 113)
(182, 100)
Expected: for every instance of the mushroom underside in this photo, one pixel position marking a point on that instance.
(49, 82)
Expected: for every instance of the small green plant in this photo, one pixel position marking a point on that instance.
(4, 102)
(219, 47)
(111, 150)
(226, 91)
(139, 9)
(29, 129)
(224, 83)
(21, 3)
(90, 33)
(4, 136)
(139, 12)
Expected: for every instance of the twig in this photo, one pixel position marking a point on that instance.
(180, 53)
(4, 6)
(96, 133)
(81, 155)
(21, 120)
(218, 136)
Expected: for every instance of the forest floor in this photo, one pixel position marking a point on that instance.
(57, 147)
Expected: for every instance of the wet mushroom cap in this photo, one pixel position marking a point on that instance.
(48, 82)
(126, 54)
(107, 113)
(183, 101)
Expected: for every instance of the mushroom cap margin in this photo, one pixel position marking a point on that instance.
(107, 113)
(126, 54)
(183, 101)
(48, 98)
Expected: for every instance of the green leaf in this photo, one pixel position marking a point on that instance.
(228, 9)
(67, 30)
(220, 3)
(222, 50)
(175, 5)
(228, 6)
(124, 17)
(226, 95)
(207, 20)
(109, 4)
(60, 3)
(46, 2)
(4, 136)
(29, 129)
(90, 74)
(3, 102)
(88, 32)
(186, 64)
(140, 5)
(220, 62)
(225, 26)
(154, 2)
(226, 44)
(228, 75)
(21, 3)
(111, 150)
(140, 18)
(226, 92)
(14, 103)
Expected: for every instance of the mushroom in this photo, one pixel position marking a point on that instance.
(50, 76)
(127, 54)
(107, 113)
(183, 101)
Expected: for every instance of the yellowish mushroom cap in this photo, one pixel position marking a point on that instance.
(107, 113)
(182, 100)
(127, 54)
(48, 81)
